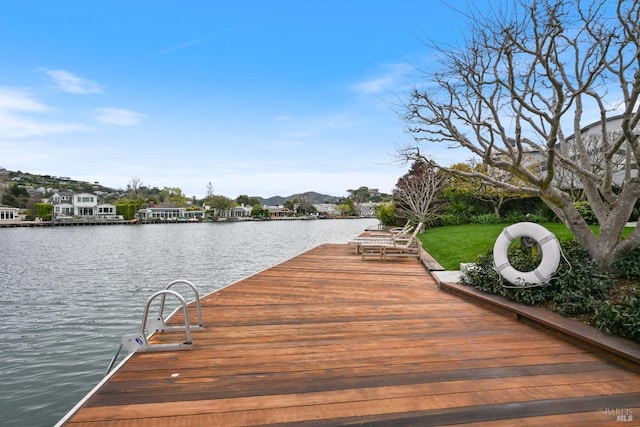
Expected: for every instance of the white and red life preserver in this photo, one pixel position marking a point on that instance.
(548, 244)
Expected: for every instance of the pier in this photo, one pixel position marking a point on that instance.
(329, 339)
(64, 223)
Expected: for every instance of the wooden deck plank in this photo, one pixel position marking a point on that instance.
(329, 339)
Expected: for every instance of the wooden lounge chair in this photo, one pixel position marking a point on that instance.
(386, 237)
(398, 246)
(410, 248)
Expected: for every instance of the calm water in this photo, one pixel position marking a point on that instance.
(69, 294)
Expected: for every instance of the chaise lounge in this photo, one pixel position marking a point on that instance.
(397, 246)
(381, 237)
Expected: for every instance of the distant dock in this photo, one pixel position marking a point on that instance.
(69, 223)
(329, 339)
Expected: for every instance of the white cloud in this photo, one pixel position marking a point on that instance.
(389, 80)
(118, 116)
(376, 85)
(68, 82)
(15, 126)
(15, 122)
(15, 99)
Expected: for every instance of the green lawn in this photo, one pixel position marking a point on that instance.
(463, 243)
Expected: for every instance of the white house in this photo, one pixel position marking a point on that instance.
(368, 209)
(105, 210)
(83, 205)
(591, 137)
(162, 213)
(9, 214)
(326, 208)
(240, 212)
(169, 214)
(592, 140)
(60, 197)
(63, 210)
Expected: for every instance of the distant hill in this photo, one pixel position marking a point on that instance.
(66, 183)
(34, 181)
(311, 196)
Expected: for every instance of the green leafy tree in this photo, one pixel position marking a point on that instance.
(220, 204)
(292, 205)
(16, 197)
(245, 200)
(360, 195)
(259, 212)
(348, 208)
(172, 196)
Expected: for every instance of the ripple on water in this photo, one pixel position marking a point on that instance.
(70, 293)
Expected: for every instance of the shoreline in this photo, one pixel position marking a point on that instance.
(96, 221)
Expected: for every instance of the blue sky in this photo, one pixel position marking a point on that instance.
(261, 98)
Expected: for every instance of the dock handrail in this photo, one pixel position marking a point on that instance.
(139, 342)
(200, 324)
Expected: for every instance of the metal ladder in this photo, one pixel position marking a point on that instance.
(158, 324)
(138, 342)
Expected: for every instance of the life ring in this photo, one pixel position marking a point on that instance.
(548, 245)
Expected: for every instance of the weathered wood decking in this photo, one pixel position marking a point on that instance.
(328, 339)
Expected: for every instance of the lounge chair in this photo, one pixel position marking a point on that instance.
(386, 237)
(398, 246)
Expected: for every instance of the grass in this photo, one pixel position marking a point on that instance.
(454, 244)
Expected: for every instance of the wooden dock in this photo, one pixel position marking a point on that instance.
(328, 339)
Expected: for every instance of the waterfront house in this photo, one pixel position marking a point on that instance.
(278, 211)
(60, 197)
(83, 205)
(591, 136)
(106, 210)
(240, 212)
(368, 209)
(9, 214)
(326, 209)
(168, 214)
(236, 213)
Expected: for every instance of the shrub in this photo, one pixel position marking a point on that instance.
(431, 221)
(461, 207)
(628, 267)
(44, 211)
(579, 283)
(512, 218)
(486, 219)
(386, 214)
(621, 318)
(452, 219)
(579, 289)
(586, 212)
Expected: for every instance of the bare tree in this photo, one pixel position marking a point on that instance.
(134, 185)
(522, 87)
(416, 192)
